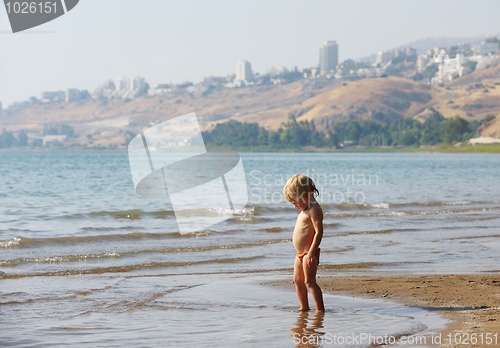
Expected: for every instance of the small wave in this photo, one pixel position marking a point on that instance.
(430, 204)
(57, 259)
(273, 229)
(354, 215)
(387, 205)
(387, 231)
(33, 242)
(10, 242)
(339, 250)
(87, 257)
(108, 229)
(352, 206)
(408, 212)
(331, 225)
(441, 203)
(264, 209)
(129, 268)
(382, 205)
(249, 219)
(163, 214)
(132, 214)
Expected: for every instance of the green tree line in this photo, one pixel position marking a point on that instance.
(295, 134)
(7, 139)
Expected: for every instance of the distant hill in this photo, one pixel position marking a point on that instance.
(390, 97)
(423, 45)
(112, 122)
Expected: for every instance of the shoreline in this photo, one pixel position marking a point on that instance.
(470, 301)
(439, 148)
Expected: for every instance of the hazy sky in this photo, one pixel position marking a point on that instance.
(186, 40)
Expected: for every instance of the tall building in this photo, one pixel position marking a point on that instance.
(121, 83)
(328, 56)
(244, 71)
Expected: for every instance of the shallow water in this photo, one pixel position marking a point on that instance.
(104, 266)
(208, 310)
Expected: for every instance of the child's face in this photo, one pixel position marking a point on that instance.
(302, 203)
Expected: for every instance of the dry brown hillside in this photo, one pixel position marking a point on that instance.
(393, 97)
(491, 128)
(473, 96)
(106, 122)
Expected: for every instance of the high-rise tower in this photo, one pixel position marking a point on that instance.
(328, 56)
(244, 71)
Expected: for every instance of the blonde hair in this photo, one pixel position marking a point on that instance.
(297, 186)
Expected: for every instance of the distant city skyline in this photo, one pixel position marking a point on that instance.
(167, 41)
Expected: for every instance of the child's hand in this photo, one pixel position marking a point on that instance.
(309, 260)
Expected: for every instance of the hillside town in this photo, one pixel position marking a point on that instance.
(435, 66)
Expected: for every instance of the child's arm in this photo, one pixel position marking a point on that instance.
(317, 222)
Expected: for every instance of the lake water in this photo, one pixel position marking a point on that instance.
(86, 261)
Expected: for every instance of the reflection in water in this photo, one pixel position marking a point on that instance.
(307, 331)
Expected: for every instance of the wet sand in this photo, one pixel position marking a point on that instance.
(471, 301)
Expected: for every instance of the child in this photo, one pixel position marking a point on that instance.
(299, 190)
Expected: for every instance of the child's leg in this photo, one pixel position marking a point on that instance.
(298, 279)
(310, 280)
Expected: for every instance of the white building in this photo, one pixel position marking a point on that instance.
(104, 91)
(484, 61)
(136, 83)
(129, 87)
(410, 52)
(244, 71)
(73, 94)
(121, 88)
(328, 56)
(52, 139)
(383, 57)
(121, 84)
(422, 62)
(161, 89)
(450, 68)
(483, 140)
(53, 96)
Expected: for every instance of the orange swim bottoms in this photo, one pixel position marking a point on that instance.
(301, 255)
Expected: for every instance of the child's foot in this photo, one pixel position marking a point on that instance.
(302, 310)
(319, 311)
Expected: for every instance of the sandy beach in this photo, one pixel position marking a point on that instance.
(471, 301)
